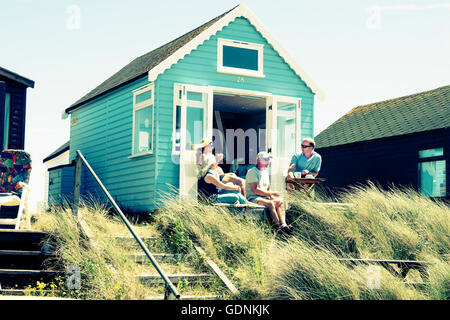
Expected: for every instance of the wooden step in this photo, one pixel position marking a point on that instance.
(8, 224)
(8, 221)
(189, 297)
(21, 240)
(22, 235)
(31, 298)
(163, 257)
(23, 292)
(19, 272)
(175, 278)
(23, 259)
(381, 261)
(145, 239)
(9, 212)
(10, 278)
(24, 253)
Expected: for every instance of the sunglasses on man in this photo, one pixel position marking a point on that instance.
(303, 146)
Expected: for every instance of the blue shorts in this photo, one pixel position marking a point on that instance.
(255, 198)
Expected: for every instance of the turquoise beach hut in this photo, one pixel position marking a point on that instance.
(137, 128)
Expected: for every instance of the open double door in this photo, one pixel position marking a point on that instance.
(195, 108)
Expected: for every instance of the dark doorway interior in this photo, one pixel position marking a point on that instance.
(239, 112)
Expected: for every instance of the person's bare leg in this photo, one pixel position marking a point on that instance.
(271, 206)
(281, 212)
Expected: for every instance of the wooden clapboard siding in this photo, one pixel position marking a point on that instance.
(385, 161)
(103, 133)
(103, 129)
(17, 114)
(54, 187)
(67, 175)
(200, 68)
(60, 189)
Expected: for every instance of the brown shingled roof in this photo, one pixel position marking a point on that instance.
(143, 64)
(418, 112)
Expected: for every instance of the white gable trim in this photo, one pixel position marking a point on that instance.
(240, 11)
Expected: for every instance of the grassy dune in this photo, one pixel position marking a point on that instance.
(106, 270)
(395, 224)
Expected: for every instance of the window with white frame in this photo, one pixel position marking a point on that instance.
(432, 172)
(177, 119)
(196, 118)
(241, 58)
(143, 112)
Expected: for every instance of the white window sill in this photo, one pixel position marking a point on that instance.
(144, 154)
(241, 72)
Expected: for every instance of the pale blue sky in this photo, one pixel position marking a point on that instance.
(355, 56)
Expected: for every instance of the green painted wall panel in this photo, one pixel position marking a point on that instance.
(103, 133)
(104, 126)
(200, 68)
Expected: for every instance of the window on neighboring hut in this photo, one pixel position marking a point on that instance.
(176, 139)
(240, 58)
(432, 172)
(143, 112)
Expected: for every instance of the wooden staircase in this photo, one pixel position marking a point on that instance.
(24, 261)
(171, 264)
(8, 217)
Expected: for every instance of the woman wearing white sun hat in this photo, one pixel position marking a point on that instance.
(212, 189)
(205, 149)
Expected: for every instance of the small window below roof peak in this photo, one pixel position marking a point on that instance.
(241, 58)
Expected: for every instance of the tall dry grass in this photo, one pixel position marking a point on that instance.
(106, 270)
(373, 223)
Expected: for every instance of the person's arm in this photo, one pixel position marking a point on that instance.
(213, 180)
(259, 192)
(318, 165)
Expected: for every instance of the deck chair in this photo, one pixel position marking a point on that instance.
(15, 168)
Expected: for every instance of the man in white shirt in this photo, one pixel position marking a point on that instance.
(257, 189)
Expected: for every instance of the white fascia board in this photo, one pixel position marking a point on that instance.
(241, 11)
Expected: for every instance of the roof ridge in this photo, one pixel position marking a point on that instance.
(417, 112)
(162, 58)
(16, 77)
(399, 98)
(115, 83)
(184, 34)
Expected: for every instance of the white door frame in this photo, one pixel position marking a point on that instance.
(271, 113)
(188, 165)
(279, 166)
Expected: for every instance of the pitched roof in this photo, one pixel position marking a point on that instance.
(15, 77)
(141, 65)
(65, 147)
(418, 112)
(160, 59)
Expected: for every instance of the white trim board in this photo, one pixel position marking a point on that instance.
(240, 11)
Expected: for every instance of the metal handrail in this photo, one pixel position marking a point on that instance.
(169, 285)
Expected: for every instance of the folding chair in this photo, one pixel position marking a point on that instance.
(15, 168)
